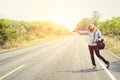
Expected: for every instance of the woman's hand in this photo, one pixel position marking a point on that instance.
(95, 41)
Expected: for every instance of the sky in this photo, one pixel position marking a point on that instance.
(66, 12)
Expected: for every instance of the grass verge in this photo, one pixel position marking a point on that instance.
(32, 42)
(113, 44)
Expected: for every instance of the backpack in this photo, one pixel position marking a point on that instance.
(100, 44)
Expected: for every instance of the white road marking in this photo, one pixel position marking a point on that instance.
(11, 72)
(107, 71)
(103, 66)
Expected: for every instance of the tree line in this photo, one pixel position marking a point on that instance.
(13, 33)
(108, 27)
(111, 27)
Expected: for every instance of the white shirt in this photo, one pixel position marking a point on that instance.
(98, 36)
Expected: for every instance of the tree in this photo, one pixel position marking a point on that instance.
(83, 24)
(95, 17)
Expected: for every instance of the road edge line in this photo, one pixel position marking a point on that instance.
(107, 71)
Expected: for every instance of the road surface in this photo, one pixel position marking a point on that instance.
(61, 59)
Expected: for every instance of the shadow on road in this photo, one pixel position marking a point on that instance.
(88, 70)
(115, 66)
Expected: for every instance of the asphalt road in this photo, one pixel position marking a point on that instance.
(61, 59)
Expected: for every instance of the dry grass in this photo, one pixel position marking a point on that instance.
(113, 45)
(32, 42)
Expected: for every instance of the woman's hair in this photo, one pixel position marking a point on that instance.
(91, 25)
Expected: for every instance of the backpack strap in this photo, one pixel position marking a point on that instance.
(98, 35)
(94, 34)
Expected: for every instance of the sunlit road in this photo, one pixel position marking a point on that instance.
(61, 59)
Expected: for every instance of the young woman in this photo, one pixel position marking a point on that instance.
(94, 36)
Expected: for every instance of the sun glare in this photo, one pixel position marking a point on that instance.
(60, 18)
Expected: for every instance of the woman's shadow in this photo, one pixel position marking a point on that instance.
(88, 70)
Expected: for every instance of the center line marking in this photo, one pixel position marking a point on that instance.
(11, 72)
(106, 70)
